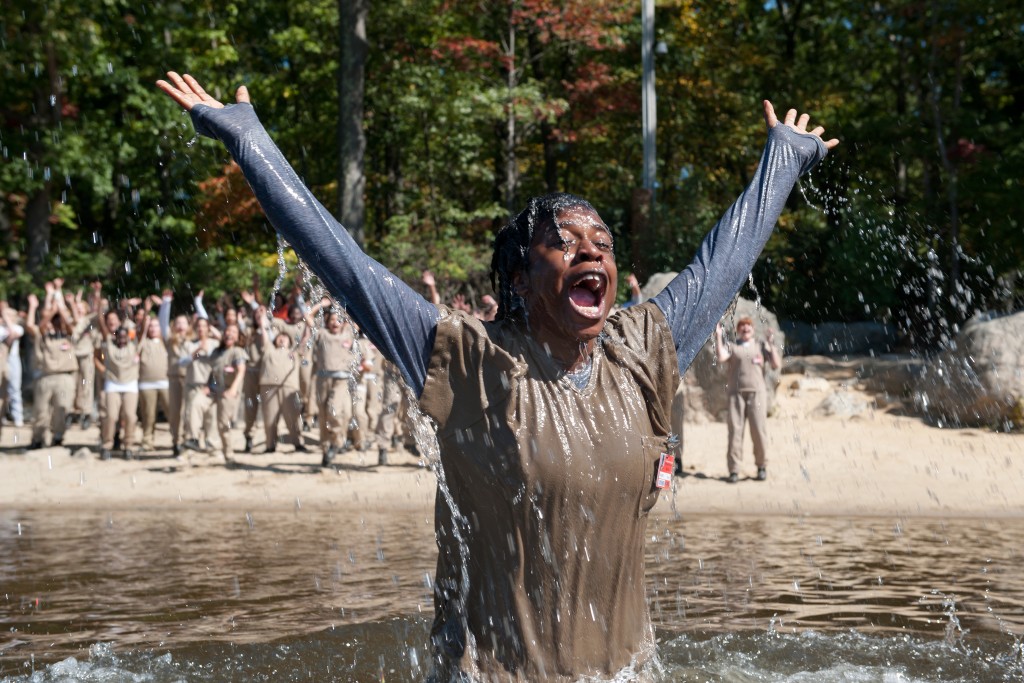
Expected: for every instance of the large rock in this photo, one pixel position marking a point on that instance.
(980, 381)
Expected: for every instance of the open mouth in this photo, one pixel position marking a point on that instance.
(587, 295)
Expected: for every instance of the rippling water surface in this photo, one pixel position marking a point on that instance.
(302, 596)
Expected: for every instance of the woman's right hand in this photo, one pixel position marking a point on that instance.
(187, 92)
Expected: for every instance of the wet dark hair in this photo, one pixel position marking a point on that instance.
(512, 246)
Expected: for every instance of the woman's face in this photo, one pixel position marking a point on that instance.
(153, 329)
(281, 340)
(121, 338)
(230, 317)
(181, 326)
(570, 285)
(202, 328)
(230, 336)
(333, 323)
(745, 331)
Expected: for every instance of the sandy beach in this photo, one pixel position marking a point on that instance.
(877, 463)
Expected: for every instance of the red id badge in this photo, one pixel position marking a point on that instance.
(665, 470)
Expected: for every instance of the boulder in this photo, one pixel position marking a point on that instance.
(979, 381)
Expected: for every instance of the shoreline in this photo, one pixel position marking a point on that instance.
(876, 464)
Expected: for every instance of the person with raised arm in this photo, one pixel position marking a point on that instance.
(55, 350)
(118, 359)
(746, 362)
(280, 359)
(551, 420)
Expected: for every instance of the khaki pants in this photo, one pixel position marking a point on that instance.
(227, 409)
(85, 386)
(54, 396)
(752, 407)
(119, 406)
(335, 410)
(388, 425)
(149, 401)
(278, 401)
(176, 407)
(198, 407)
(307, 387)
(250, 399)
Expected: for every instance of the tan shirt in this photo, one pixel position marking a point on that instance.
(198, 370)
(555, 484)
(56, 354)
(225, 366)
(87, 337)
(280, 368)
(153, 365)
(121, 364)
(334, 352)
(746, 366)
(179, 357)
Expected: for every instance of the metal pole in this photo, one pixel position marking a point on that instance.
(650, 119)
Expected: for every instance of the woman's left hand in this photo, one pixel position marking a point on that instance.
(797, 123)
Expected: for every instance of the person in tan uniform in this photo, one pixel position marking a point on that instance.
(745, 361)
(55, 350)
(227, 373)
(154, 381)
(251, 385)
(392, 411)
(178, 342)
(334, 364)
(118, 359)
(10, 333)
(553, 421)
(281, 358)
(295, 326)
(198, 401)
(87, 338)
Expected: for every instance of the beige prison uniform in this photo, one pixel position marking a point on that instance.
(389, 423)
(748, 401)
(334, 361)
(120, 393)
(306, 385)
(87, 340)
(279, 393)
(368, 402)
(198, 401)
(561, 480)
(154, 385)
(226, 365)
(251, 384)
(54, 392)
(179, 357)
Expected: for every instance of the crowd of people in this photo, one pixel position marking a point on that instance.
(128, 361)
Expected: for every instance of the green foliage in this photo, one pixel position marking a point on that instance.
(472, 107)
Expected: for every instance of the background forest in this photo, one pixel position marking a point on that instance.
(469, 108)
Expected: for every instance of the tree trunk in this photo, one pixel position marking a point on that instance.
(351, 137)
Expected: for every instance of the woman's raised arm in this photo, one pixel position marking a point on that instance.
(394, 316)
(695, 300)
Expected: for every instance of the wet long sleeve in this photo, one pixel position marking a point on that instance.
(695, 300)
(399, 321)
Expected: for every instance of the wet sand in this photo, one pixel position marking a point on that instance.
(876, 463)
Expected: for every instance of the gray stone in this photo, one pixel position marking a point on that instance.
(837, 338)
(979, 381)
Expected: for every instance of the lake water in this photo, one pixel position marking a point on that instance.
(313, 596)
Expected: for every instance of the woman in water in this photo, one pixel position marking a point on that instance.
(551, 420)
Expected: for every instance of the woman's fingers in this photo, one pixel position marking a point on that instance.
(770, 118)
(242, 94)
(803, 121)
(790, 117)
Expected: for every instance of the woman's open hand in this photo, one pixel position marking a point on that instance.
(799, 124)
(187, 92)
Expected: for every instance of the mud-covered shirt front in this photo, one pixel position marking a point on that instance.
(562, 480)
